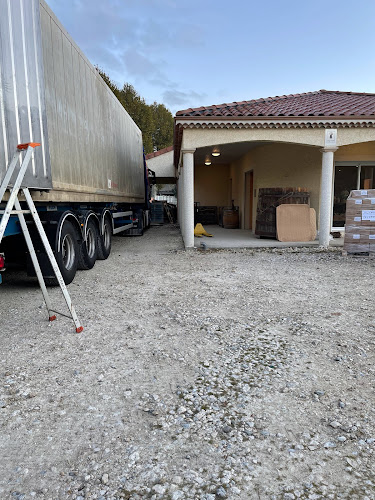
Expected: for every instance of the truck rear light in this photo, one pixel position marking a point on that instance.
(2, 262)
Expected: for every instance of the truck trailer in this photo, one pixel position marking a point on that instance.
(88, 178)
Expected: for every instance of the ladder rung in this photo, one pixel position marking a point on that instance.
(15, 212)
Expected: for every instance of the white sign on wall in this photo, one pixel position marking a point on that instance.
(331, 137)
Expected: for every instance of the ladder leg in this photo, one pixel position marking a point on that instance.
(35, 262)
(14, 191)
(52, 259)
(8, 175)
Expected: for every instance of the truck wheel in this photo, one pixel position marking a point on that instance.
(105, 240)
(141, 221)
(88, 250)
(67, 256)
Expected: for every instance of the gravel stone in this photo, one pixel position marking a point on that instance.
(221, 493)
(199, 375)
(335, 424)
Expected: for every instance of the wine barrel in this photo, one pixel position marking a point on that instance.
(230, 218)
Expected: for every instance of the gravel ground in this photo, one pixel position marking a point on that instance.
(199, 375)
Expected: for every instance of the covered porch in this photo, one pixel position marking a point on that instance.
(225, 160)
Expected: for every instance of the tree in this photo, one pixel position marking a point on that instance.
(155, 120)
(162, 135)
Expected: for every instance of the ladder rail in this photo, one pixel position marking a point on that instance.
(52, 258)
(35, 261)
(14, 191)
(8, 174)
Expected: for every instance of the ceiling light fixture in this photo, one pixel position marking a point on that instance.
(215, 152)
(207, 161)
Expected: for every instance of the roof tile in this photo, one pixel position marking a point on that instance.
(160, 152)
(319, 103)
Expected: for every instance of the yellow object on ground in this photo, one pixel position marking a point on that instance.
(199, 231)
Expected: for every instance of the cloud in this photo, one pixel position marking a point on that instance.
(136, 41)
(179, 98)
(137, 64)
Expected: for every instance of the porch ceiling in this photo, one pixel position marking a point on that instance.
(228, 152)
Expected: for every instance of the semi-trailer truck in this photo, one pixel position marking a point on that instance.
(88, 178)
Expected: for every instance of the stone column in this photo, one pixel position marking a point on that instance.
(180, 198)
(326, 189)
(187, 215)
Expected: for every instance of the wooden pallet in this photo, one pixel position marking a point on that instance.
(369, 254)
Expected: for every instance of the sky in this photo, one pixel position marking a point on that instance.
(191, 53)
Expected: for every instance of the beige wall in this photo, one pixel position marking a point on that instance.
(364, 151)
(355, 135)
(162, 165)
(200, 137)
(196, 138)
(278, 165)
(211, 185)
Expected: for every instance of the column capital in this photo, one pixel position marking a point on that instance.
(191, 150)
(328, 150)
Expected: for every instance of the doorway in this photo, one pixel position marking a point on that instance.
(249, 199)
(349, 176)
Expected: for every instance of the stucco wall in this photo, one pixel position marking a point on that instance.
(354, 135)
(278, 165)
(195, 138)
(364, 151)
(162, 165)
(211, 185)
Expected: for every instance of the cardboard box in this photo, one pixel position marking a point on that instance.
(295, 222)
(362, 193)
(360, 212)
(359, 239)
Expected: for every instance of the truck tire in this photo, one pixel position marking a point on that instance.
(88, 250)
(105, 240)
(67, 256)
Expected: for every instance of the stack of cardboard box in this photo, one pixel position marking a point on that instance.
(360, 221)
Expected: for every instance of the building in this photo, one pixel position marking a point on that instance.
(323, 140)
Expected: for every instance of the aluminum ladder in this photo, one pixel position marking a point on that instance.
(13, 207)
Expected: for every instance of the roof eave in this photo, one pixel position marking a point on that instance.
(273, 118)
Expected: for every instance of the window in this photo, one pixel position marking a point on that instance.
(349, 176)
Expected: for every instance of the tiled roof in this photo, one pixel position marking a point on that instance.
(160, 152)
(319, 103)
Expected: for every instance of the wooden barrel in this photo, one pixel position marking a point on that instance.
(230, 218)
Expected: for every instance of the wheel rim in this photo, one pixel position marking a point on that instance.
(107, 236)
(67, 251)
(90, 243)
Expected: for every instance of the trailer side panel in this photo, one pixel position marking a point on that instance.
(96, 148)
(50, 93)
(22, 103)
